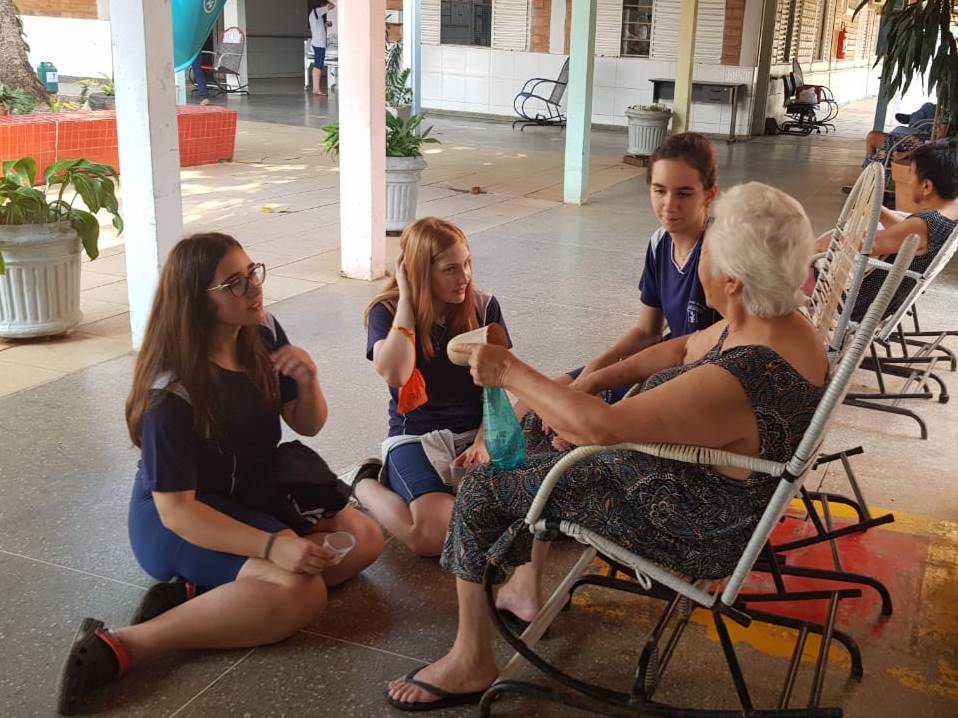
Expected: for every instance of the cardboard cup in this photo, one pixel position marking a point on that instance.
(490, 334)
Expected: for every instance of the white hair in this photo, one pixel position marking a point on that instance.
(762, 237)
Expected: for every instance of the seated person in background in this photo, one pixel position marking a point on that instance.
(430, 300)
(935, 169)
(749, 384)
(213, 379)
(916, 127)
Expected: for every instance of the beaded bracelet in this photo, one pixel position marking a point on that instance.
(268, 547)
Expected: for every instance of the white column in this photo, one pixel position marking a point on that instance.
(682, 105)
(182, 89)
(362, 139)
(578, 136)
(412, 49)
(234, 15)
(149, 145)
(557, 28)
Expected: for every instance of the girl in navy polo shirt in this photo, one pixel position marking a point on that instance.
(683, 181)
(430, 300)
(212, 380)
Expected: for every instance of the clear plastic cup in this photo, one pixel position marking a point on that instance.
(340, 542)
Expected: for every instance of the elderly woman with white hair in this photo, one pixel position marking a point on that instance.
(748, 384)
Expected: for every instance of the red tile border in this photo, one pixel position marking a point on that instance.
(206, 134)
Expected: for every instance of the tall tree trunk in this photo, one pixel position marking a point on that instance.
(15, 70)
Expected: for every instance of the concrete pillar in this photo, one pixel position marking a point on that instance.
(763, 69)
(149, 145)
(182, 87)
(234, 15)
(557, 27)
(579, 121)
(682, 105)
(412, 49)
(362, 139)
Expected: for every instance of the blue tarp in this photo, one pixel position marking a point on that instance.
(193, 20)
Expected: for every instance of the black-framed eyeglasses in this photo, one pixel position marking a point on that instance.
(239, 286)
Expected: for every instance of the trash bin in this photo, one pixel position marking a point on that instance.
(47, 74)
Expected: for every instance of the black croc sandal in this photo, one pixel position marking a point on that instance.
(162, 597)
(95, 659)
(365, 469)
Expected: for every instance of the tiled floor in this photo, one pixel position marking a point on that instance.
(566, 277)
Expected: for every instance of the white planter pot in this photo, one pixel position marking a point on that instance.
(402, 191)
(40, 290)
(647, 130)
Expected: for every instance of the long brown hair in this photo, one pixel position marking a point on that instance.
(420, 244)
(179, 338)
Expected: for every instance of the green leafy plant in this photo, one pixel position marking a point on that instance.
(58, 105)
(17, 102)
(104, 86)
(22, 203)
(398, 92)
(651, 108)
(404, 138)
(919, 40)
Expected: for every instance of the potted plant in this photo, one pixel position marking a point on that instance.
(398, 92)
(404, 165)
(41, 234)
(101, 94)
(648, 126)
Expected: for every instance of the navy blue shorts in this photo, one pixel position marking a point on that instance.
(410, 473)
(609, 396)
(163, 554)
(319, 57)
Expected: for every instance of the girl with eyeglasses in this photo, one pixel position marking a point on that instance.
(213, 378)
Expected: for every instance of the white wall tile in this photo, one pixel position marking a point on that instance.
(526, 66)
(603, 101)
(604, 73)
(450, 105)
(431, 85)
(476, 107)
(626, 97)
(477, 90)
(501, 64)
(453, 88)
(550, 65)
(453, 60)
(477, 61)
(432, 58)
(502, 92)
(632, 73)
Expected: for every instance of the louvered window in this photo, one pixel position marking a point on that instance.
(510, 25)
(709, 31)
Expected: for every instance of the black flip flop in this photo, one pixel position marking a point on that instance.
(95, 659)
(446, 699)
(517, 625)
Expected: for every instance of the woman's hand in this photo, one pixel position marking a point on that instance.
(295, 363)
(475, 455)
(401, 280)
(299, 555)
(488, 363)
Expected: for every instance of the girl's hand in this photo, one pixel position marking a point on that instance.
(401, 280)
(488, 363)
(299, 555)
(295, 363)
(475, 455)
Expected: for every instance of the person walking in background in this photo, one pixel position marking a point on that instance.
(317, 27)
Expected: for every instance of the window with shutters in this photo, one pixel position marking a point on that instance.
(785, 36)
(637, 27)
(823, 39)
(466, 22)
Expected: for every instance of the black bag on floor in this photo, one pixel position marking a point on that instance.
(297, 487)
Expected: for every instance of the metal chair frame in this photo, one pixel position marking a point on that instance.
(223, 63)
(552, 102)
(722, 599)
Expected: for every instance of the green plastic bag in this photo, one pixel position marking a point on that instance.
(504, 439)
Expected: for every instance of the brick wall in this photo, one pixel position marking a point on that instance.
(59, 8)
(568, 25)
(732, 40)
(541, 17)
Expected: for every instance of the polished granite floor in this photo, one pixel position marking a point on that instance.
(566, 277)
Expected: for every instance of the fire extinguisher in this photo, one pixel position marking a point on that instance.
(842, 39)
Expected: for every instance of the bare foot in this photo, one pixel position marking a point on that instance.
(520, 601)
(450, 674)
(319, 92)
